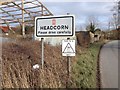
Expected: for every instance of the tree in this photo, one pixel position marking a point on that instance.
(91, 28)
(92, 24)
(116, 14)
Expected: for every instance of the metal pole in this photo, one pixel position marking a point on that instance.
(68, 69)
(68, 58)
(1, 76)
(23, 24)
(68, 65)
(118, 19)
(42, 55)
(115, 20)
(109, 26)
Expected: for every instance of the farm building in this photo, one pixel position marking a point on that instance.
(6, 29)
(97, 35)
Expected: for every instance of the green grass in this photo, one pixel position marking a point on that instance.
(85, 69)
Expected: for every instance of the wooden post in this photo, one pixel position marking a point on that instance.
(23, 24)
(42, 9)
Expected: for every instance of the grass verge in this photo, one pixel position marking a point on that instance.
(85, 70)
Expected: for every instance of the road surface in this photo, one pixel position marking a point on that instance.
(109, 64)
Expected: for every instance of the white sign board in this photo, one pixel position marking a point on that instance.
(54, 26)
(68, 47)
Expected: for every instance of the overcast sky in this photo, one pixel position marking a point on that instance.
(83, 10)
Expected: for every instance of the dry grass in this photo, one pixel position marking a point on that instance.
(20, 56)
(18, 59)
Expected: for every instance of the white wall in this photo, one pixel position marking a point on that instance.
(54, 41)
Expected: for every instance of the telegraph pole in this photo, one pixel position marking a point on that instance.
(109, 26)
(23, 24)
(118, 14)
(115, 20)
(118, 19)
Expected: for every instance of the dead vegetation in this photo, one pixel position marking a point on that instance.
(19, 56)
(18, 59)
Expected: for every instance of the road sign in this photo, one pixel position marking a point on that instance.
(68, 47)
(54, 26)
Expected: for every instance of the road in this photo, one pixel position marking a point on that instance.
(109, 64)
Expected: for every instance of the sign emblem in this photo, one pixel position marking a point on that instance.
(68, 49)
(53, 22)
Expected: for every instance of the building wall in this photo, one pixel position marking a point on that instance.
(54, 41)
(91, 37)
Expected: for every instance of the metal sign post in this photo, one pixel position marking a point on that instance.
(54, 26)
(68, 69)
(68, 60)
(68, 50)
(42, 55)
